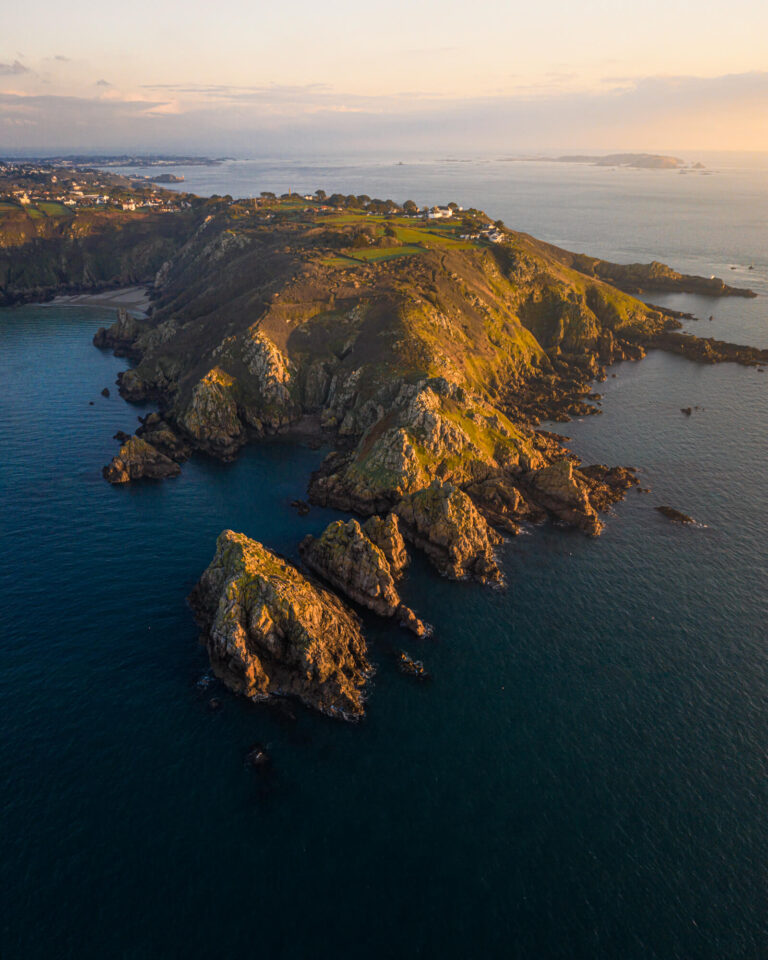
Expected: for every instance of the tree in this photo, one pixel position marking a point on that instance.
(499, 224)
(268, 195)
(410, 208)
(321, 194)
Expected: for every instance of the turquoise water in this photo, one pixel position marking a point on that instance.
(585, 777)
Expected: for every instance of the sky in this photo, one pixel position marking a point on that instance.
(402, 77)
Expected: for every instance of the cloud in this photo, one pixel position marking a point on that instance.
(13, 69)
(62, 58)
(103, 83)
(646, 113)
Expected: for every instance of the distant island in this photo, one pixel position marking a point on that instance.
(425, 346)
(166, 178)
(639, 161)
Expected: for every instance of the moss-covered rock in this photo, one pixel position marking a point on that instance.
(272, 632)
(211, 417)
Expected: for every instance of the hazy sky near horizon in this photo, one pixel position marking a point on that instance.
(258, 78)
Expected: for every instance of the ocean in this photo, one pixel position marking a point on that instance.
(584, 777)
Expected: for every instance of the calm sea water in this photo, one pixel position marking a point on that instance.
(586, 775)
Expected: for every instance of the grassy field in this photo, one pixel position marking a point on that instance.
(385, 253)
(53, 209)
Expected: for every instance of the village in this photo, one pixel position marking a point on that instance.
(44, 190)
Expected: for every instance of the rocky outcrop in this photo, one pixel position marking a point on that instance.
(137, 460)
(606, 485)
(161, 435)
(351, 562)
(122, 335)
(443, 522)
(707, 349)
(502, 504)
(560, 491)
(211, 418)
(433, 429)
(271, 632)
(385, 533)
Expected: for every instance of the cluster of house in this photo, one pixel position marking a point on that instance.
(75, 197)
(83, 192)
(490, 233)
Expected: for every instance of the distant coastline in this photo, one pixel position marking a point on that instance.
(638, 161)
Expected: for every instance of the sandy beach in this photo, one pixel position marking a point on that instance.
(134, 299)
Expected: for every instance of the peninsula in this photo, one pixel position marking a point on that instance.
(425, 346)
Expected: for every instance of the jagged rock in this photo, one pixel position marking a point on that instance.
(501, 503)
(105, 392)
(211, 416)
(385, 533)
(606, 485)
(271, 632)
(350, 561)
(138, 459)
(122, 335)
(122, 436)
(433, 429)
(301, 507)
(675, 515)
(561, 492)
(156, 431)
(443, 521)
(412, 668)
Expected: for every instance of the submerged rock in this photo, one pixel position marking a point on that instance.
(350, 561)
(443, 522)
(138, 459)
(675, 515)
(105, 392)
(271, 632)
(257, 755)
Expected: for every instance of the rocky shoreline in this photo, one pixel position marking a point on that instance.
(428, 375)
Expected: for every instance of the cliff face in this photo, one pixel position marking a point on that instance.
(42, 257)
(271, 632)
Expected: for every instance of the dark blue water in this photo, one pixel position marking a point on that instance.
(585, 777)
